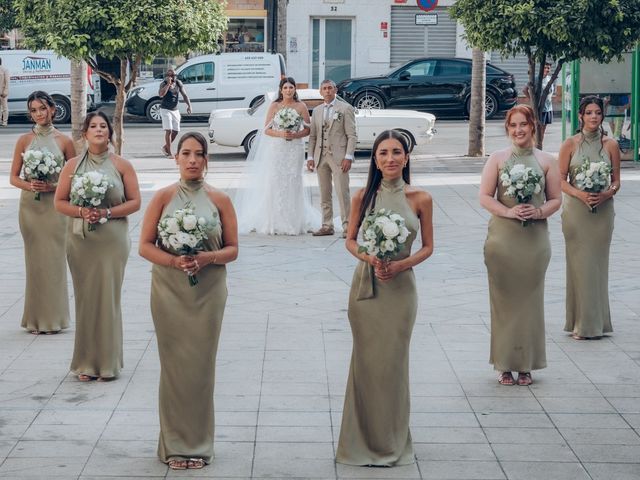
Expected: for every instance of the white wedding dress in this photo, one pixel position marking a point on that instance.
(271, 198)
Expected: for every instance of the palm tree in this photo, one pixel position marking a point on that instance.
(477, 107)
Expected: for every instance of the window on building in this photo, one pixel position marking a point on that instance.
(245, 35)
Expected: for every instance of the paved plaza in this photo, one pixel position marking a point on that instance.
(284, 355)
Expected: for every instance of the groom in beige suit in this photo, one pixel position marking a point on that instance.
(332, 142)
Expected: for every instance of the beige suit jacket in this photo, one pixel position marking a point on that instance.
(4, 81)
(338, 138)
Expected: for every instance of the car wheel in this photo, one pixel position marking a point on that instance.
(490, 105)
(248, 142)
(369, 100)
(63, 110)
(408, 138)
(152, 112)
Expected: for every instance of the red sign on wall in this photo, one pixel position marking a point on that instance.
(427, 5)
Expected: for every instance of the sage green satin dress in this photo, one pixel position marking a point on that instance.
(97, 260)
(375, 418)
(587, 239)
(517, 258)
(44, 231)
(187, 320)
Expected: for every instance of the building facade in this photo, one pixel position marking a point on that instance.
(338, 39)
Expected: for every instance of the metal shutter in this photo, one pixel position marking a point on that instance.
(409, 41)
(517, 66)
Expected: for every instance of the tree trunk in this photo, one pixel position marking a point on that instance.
(282, 28)
(78, 102)
(118, 114)
(477, 107)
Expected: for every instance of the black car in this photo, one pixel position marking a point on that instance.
(436, 85)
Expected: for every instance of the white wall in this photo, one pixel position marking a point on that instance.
(371, 51)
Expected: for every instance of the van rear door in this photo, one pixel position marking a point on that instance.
(201, 85)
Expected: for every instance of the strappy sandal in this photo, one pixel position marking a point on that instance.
(175, 464)
(575, 336)
(85, 378)
(524, 379)
(195, 463)
(505, 378)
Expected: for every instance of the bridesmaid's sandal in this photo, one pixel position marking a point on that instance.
(85, 378)
(575, 336)
(176, 464)
(195, 463)
(524, 379)
(505, 378)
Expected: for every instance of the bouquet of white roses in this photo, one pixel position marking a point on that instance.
(521, 182)
(287, 119)
(384, 234)
(88, 190)
(593, 177)
(42, 165)
(183, 233)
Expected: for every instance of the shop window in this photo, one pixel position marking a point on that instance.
(244, 35)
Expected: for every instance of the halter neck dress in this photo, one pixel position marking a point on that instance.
(187, 321)
(587, 239)
(44, 231)
(517, 258)
(97, 260)
(375, 418)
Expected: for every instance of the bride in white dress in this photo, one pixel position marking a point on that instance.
(271, 198)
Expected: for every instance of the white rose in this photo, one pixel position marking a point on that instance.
(537, 188)
(94, 177)
(373, 249)
(27, 170)
(189, 222)
(202, 222)
(174, 242)
(58, 169)
(388, 246)
(588, 183)
(191, 240)
(95, 202)
(369, 234)
(511, 191)
(390, 230)
(37, 154)
(396, 218)
(519, 186)
(171, 225)
(182, 237)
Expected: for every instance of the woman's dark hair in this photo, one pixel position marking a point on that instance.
(198, 137)
(90, 116)
(375, 175)
(584, 103)
(282, 83)
(41, 96)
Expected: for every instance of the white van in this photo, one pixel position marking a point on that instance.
(43, 70)
(223, 80)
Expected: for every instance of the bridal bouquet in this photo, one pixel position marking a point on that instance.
(42, 165)
(287, 119)
(88, 190)
(593, 177)
(184, 232)
(384, 234)
(521, 182)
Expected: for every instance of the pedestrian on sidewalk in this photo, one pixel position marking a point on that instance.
(98, 249)
(187, 315)
(588, 233)
(44, 231)
(4, 95)
(169, 112)
(520, 187)
(383, 303)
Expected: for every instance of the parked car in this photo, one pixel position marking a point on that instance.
(440, 85)
(220, 80)
(237, 127)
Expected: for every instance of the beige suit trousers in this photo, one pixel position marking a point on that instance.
(4, 110)
(329, 172)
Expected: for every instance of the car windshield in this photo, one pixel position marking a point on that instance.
(256, 105)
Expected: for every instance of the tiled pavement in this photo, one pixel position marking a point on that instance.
(284, 354)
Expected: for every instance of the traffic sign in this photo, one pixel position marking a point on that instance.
(427, 5)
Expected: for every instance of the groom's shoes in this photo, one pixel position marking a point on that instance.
(323, 232)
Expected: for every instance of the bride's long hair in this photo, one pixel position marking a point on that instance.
(282, 83)
(375, 175)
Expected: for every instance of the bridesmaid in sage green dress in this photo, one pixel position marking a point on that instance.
(588, 235)
(516, 255)
(98, 256)
(382, 310)
(188, 318)
(44, 231)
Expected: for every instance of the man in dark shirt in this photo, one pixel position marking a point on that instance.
(169, 90)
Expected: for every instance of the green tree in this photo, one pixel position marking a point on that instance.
(7, 16)
(550, 30)
(129, 30)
